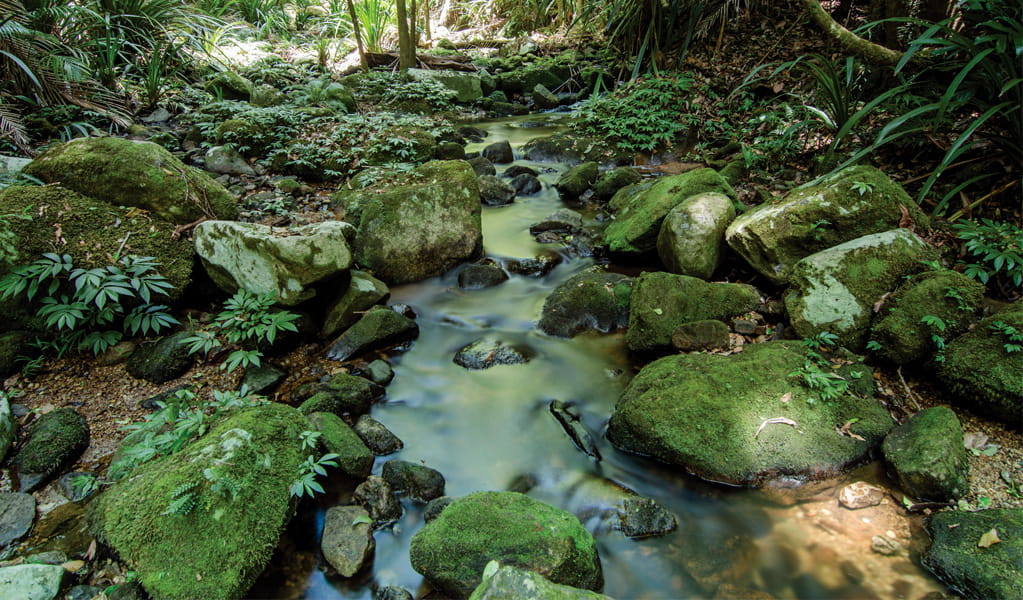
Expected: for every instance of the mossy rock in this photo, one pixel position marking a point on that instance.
(640, 209)
(216, 550)
(342, 394)
(12, 345)
(981, 374)
(573, 149)
(95, 233)
(991, 573)
(852, 203)
(133, 173)
(835, 290)
(573, 182)
(947, 295)
(928, 456)
(593, 300)
(161, 361)
(363, 291)
(230, 86)
(57, 439)
(378, 328)
(353, 457)
(466, 87)
(661, 302)
(524, 81)
(452, 550)
(421, 224)
(692, 238)
(710, 414)
(416, 146)
(615, 179)
(503, 582)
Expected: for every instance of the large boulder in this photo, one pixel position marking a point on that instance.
(744, 419)
(593, 300)
(640, 209)
(162, 360)
(901, 328)
(280, 262)
(419, 225)
(379, 328)
(503, 582)
(928, 456)
(55, 441)
(573, 149)
(662, 302)
(852, 203)
(94, 233)
(465, 86)
(452, 550)
(836, 289)
(991, 572)
(17, 514)
(353, 457)
(980, 371)
(218, 547)
(573, 182)
(133, 173)
(692, 236)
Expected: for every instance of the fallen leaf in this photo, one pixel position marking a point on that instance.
(906, 222)
(786, 397)
(989, 539)
(91, 552)
(844, 430)
(777, 421)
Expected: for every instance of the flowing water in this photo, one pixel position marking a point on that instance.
(486, 430)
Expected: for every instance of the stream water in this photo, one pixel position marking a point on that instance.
(486, 429)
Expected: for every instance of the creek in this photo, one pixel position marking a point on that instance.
(487, 429)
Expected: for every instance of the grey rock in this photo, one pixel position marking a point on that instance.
(481, 165)
(645, 517)
(161, 361)
(860, 495)
(376, 495)
(378, 328)
(75, 485)
(692, 237)
(573, 182)
(526, 184)
(563, 220)
(379, 372)
(537, 266)
(83, 592)
(263, 379)
(392, 592)
(363, 292)
(226, 160)
(543, 98)
(884, 545)
(495, 192)
(499, 152)
(435, 507)
(378, 438)
(8, 427)
(417, 481)
(491, 351)
(160, 115)
(31, 582)
(17, 513)
(478, 277)
(516, 170)
(347, 540)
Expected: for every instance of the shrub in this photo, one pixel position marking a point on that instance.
(645, 114)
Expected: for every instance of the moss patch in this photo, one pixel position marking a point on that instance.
(56, 439)
(994, 573)
(928, 456)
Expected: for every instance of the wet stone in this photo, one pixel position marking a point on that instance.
(526, 184)
(347, 540)
(17, 513)
(495, 192)
(499, 152)
(378, 328)
(560, 221)
(52, 557)
(379, 372)
(377, 437)
(645, 517)
(262, 379)
(482, 166)
(884, 545)
(489, 351)
(392, 592)
(538, 266)
(435, 507)
(516, 170)
(376, 496)
(417, 481)
(477, 277)
(860, 495)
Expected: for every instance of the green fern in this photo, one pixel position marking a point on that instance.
(184, 499)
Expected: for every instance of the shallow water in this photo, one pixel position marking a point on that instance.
(485, 429)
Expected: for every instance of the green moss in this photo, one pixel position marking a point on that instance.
(947, 295)
(218, 549)
(982, 375)
(132, 173)
(354, 458)
(577, 180)
(615, 179)
(403, 144)
(661, 302)
(928, 455)
(453, 549)
(640, 209)
(57, 438)
(592, 300)
(993, 573)
(703, 412)
(573, 149)
(343, 394)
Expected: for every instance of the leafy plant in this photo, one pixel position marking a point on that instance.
(306, 484)
(643, 115)
(91, 309)
(1013, 335)
(938, 326)
(997, 248)
(816, 372)
(246, 322)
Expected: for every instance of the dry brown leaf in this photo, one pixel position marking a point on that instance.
(777, 421)
(786, 397)
(989, 539)
(906, 222)
(91, 552)
(844, 430)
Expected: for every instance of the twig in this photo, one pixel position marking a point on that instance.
(123, 242)
(912, 395)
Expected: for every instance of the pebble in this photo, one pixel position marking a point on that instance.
(860, 495)
(884, 545)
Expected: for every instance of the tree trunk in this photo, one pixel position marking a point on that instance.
(413, 21)
(406, 51)
(358, 36)
(849, 41)
(426, 20)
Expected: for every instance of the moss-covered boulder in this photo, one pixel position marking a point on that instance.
(744, 419)
(464, 86)
(573, 149)
(852, 203)
(362, 292)
(692, 236)
(593, 300)
(162, 360)
(993, 572)
(982, 374)
(615, 179)
(404, 144)
(836, 289)
(284, 263)
(525, 80)
(661, 302)
(132, 173)
(93, 232)
(640, 209)
(495, 192)
(209, 544)
(230, 86)
(353, 457)
(56, 440)
(12, 345)
(420, 224)
(453, 549)
(543, 98)
(573, 182)
(901, 328)
(503, 582)
(341, 394)
(928, 457)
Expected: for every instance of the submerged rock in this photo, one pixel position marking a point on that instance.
(526, 184)
(592, 300)
(982, 374)
(453, 549)
(743, 419)
(835, 290)
(186, 540)
(852, 203)
(692, 236)
(377, 496)
(378, 328)
(284, 262)
(662, 302)
(994, 572)
(491, 351)
(347, 540)
(511, 583)
(928, 456)
(645, 517)
(133, 173)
